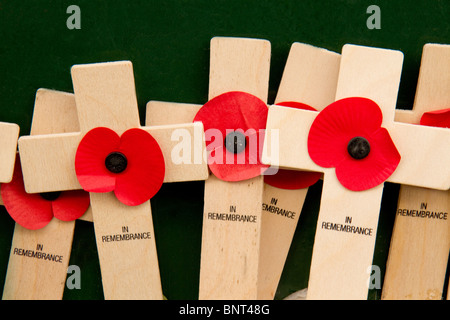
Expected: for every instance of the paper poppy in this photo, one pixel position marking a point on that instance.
(234, 124)
(292, 179)
(348, 136)
(131, 165)
(438, 118)
(35, 211)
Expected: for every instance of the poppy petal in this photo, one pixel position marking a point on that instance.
(333, 128)
(234, 171)
(31, 211)
(92, 151)
(233, 111)
(363, 174)
(229, 166)
(144, 174)
(296, 105)
(292, 179)
(71, 205)
(438, 118)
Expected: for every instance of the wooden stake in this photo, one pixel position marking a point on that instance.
(229, 260)
(105, 96)
(415, 269)
(310, 77)
(230, 249)
(307, 67)
(9, 133)
(341, 262)
(31, 278)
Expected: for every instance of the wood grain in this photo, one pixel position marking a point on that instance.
(230, 249)
(307, 67)
(30, 278)
(9, 133)
(373, 73)
(419, 248)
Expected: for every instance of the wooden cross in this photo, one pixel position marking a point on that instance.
(230, 250)
(105, 96)
(307, 67)
(342, 261)
(37, 279)
(9, 133)
(420, 243)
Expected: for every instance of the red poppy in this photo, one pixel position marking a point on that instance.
(131, 165)
(348, 136)
(236, 120)
(438, 118)
(292, 179)
(35, 211)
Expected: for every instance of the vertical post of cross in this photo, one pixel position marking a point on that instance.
(37, 279)
(230, 250)
(416, 270)
(9, 133)
(309, 77)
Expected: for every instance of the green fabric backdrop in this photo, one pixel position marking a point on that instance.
(168, 43)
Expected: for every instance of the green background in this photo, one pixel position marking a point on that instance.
(168, 43)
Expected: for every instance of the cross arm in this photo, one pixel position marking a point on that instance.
(184, 150)
(424, 150)
(48, 161)
(286, 139)
(425, 156)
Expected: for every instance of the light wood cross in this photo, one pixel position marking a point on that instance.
(105, 97)
(31, 278)
(420, 242)
(9, 133)
(342, 261)
(230, 250)
(307, 68)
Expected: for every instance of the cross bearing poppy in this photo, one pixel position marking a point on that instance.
(348, 136)
(35, 211)
(293, 179)
(131, 165)
(236, 120)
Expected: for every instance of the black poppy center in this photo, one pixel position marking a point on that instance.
(235, 142)
(358, 148)
(116, 162)
(50, 196)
